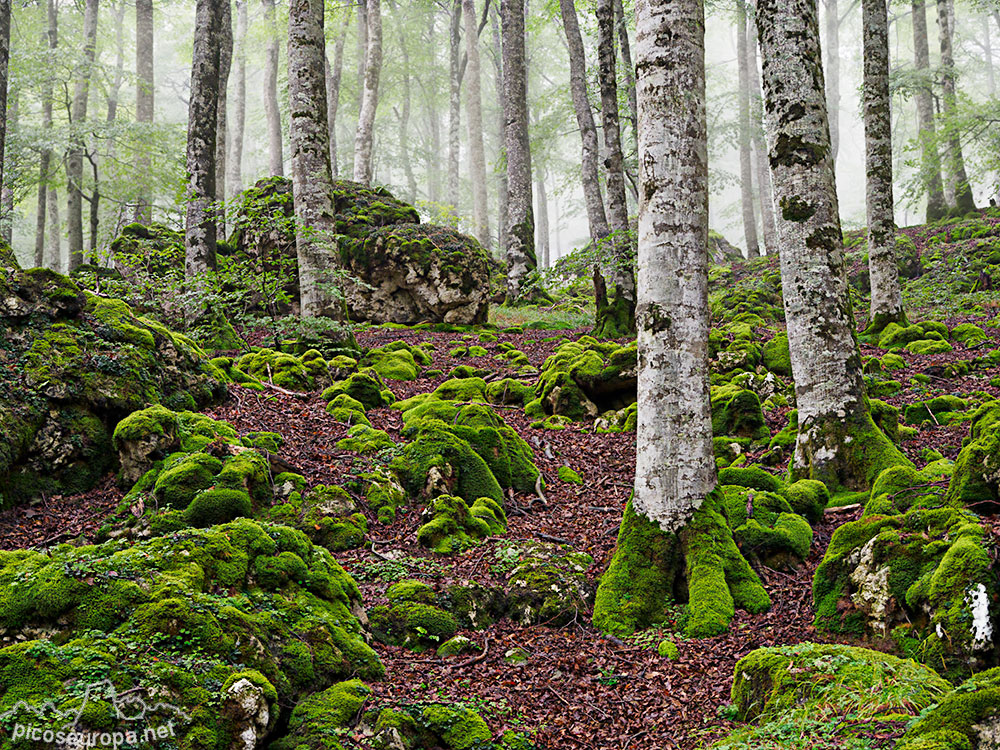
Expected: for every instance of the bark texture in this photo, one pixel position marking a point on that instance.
(144, 101)
(273, 113)
(833, 73)
(542, 226)
(746, 158)
(837, 443)
(225, 37)
(957, 175)
(675, 466)
(501, 174)
(50, 38)
(78, 115)
(312, 182)
(594, 201)
(628, 67)
(930, 157)
(474, 106)
(200, 236)
(239, 118)
(886, 295)
(762, 170)
(621, 321)
(454, 99)
(334, 76)
(521, 259)
(364, 138)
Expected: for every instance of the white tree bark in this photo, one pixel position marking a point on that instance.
(334, 75)
(832, 51)
(74, 157)
(364, 138)
(276, 160)
(50, 39)
(930, 162)
(958, 177)
(235, 162)
(762, 169)
(474, 106)
(521, 259)
(454, 100)
(144, 101)
(675, 466)
(542, 226)
(746, 161)
(837, 442)
(225, 10)
(312, 182)
(886, 295)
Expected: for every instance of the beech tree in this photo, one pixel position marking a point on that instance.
(364, 138)
(886, 295)
(958, 178)
(4, 85)
(74, 159)
(51, 37)
(225, 37)
(746, 159)
(671, 528)
(930, 164)
(762, 170)
(273, 112)
(144, 99)
(312, 182)
(235, 160)
(200, 235)
(474, 107)
(838, 443)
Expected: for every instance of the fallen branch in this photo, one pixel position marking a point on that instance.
(476, 659)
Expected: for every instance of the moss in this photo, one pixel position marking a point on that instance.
(751, 476)
(276, 571)
(410, 591)
(318, 720)
(365, 440)
(453, 527)
(267, 442)
(509, 391)
(776, 357)
(737, 412)
(140, 425)
(417, 626)
(931, 409)
(968, 334)
(365, 387)
(395, 364)
(928, 347)
(304, 373)
(247, 471)
(568, 475)
(808, 498)
(177, 485)
(959, 718)
(668, 650)
(218, 506)
(458, 727)
(456, 646)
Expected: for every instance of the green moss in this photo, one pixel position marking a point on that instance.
(303, 373)
(751, 476)
(184, 478)
(928, 347)
(218, 506)
(668, 650)
(737, 412)
(808, 498)
(411, 591)
(959, 718)
(568, 475)
(320, 719)
(395, 364)
(140, 425)
(968, 334)
(458, 727)
(453, 527)
(417, 626)
(366, 440)
(509, 391)
(365, 387)
(776, 356)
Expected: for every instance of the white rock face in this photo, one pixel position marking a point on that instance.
(872, 595)
(246, 703)
(982, 627)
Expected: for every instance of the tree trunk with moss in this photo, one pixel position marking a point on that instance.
(521, 259)
(746, 160)
(930, 158)
(312, 183)
(672, 529)
(614, 318)
(886, 295)
(276, 157)
(838, 443)
(957, 174)
(200, 235)
(78, 115)
(365, 136)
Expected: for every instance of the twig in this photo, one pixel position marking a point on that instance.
(553, 539)
(476, 659)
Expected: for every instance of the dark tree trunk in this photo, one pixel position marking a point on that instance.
(957, 174)
(334, 75)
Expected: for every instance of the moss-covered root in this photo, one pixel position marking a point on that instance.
(615, 319)
(843, 453)
(646, 574)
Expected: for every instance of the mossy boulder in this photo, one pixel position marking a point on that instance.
(417, 626)
(939, 410)
(297, 373)
(737, 412)
(765, 528)
(187, 619)
(976, 480)
(586, 377)
(75, 364)
(549, 585)
(397, 363)
(319, 719)
(453, 525)
(966, 717)
(365, 387)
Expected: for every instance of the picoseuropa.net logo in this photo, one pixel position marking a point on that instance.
(137, 722)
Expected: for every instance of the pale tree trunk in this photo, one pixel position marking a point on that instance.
(200, 235)
(474, 105)
(362, 46)
(51, 39)
(114, 90)
(454, 99)
(404, 125)
(4, 83)
(312, 181)
(54, 259)
(832, 51)
(225, 10)
(501, 174)
(957, 175)
(334, 76)
(617, 318)
(746, 158)
(144, 103)
(239, 119)
(593, 200)
(837, 442)
(762, 169)
(363, 139)
(521, 259)
(74, 157)
(542, 227)
(7, 197)
(991, 80)
(628, 67)
(272, 111)
(930, 157)
(433, 160)
(886, 297)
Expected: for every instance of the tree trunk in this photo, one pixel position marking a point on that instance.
(239, 119)
(957, 176)
(474, 106)
(591, 180)
(838, 443)
(200, 237)
(311, 178)
(51, 37)
(521, 259)
(454, 100)
(225, 10)
(363, 140)
(761, 167)
(114, 90)
(930, 161)
(10, 175)
(628, 67)
(833, 74)
(886, 296)
(334, 75)
(78, 116)
(433, 159)
(542, 229)
(54, 249)
(362, 46)
(144, 103)
(746, 161)
(4, 83)
(618, 318)
(991, 79)
(501, 174)
(95, 209)
(273, 113)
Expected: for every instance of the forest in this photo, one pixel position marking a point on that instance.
(495, 375)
